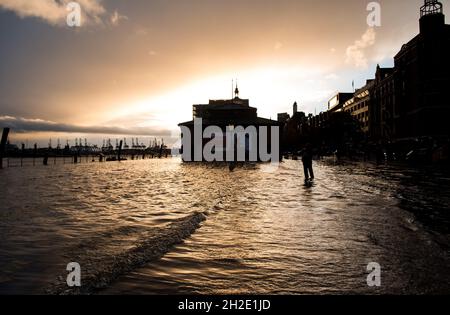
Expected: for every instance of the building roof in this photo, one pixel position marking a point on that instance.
(405, 47)
(369, 84)
(224, 106)
(338, 100)
(383, 73)
(241, 122)
(234, 101)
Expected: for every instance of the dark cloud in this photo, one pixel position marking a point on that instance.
(24, 125)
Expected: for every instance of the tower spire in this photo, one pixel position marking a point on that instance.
(236, 91)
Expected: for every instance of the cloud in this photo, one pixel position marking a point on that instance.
(356, 52)
(116, 17)
(25, 125)
(55, 12)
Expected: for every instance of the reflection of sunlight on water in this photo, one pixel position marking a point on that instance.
(265, 232)
(272, 235)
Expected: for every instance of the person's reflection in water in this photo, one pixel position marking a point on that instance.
(307, 157)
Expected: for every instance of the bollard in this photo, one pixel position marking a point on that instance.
(22, 153)
(120, 151)
(3, 145)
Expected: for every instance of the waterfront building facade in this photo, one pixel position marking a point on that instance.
(358, 106)
(409, 100)
(382, 102)
(230, 116)
(422, 78)
(336, 103)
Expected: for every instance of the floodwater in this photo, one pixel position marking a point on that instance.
(163, 227)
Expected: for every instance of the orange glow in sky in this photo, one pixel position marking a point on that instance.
(143, 64)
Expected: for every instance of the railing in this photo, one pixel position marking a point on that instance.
(26, 161)
(30, 157)
(431, 7)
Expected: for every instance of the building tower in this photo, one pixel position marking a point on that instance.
(236, 91)
(295, 111)
(431, 17)
(431, 7)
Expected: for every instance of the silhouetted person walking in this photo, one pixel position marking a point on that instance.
(307, 158)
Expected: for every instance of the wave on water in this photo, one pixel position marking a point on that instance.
(101, 263)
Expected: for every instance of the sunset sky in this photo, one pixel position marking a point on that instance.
(136, 67)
